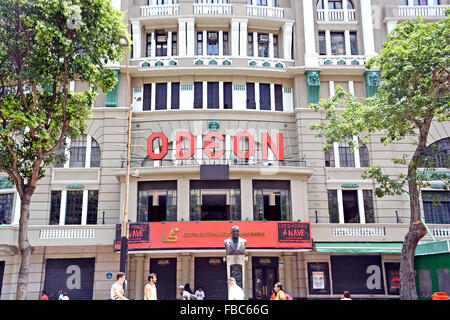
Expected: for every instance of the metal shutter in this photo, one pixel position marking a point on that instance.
(76, 276)
(166, 274)
(211, 274)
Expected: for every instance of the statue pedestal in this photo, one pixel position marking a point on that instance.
(236, 269)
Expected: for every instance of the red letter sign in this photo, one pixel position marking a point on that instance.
(251, 147)
(162, 153)
(266, 141)
(188, 154)
(209, 145)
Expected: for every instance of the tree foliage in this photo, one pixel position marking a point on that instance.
(44, 46)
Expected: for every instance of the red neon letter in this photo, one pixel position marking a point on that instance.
(188, 154)
(251, 147)
(209, 145)
(162, 153)
(266, 141)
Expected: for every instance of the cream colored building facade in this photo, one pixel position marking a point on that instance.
(227, 66)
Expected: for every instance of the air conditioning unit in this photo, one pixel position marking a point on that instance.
(263, 38)
(160, 36)
(212, 37)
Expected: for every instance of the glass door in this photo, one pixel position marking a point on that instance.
(265, 275)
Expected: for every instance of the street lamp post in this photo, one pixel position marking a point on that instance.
(125, 224)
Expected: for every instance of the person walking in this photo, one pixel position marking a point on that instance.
(187, 287)
(117, 292)
(60, 295)
(184, 295)
(280, 294)
(44, 295)
(150, 288)
(234, 291)
(346, 296)
(200, 294)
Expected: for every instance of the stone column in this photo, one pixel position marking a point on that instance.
(243, 38)
(246, 199)
(287, 40)
(137, 39)
(288, 274)
(234, 37)
(182, 37)
(311, 56)
(139, 284)
(190, 35)
(183, 199)
(367, 27)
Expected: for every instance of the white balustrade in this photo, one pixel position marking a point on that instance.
(357, 231)
(336, 15)
(443, 232)
(211, 8)
(423, 11)
(64, 233)
(267, 12)
(160, 10)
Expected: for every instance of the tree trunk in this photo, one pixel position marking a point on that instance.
(26, 250)
(416, 232)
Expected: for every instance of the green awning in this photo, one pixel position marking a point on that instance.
(359, 247)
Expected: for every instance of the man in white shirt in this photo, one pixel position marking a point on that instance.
(117, 288)
(184, 294)
(200, 294)
(150, 288)
(234, 291)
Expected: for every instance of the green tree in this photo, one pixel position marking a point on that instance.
(414, 66)
(44, 45)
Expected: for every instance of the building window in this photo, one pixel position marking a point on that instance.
(350, 206)
(250, 45)
(228, 95)
(95, 154)
(157, 201)
(6, 208)
(174, 44)
(213, 95)
(263, 45)
(369, 211)
(226, 45)
(78, 154)
(92, 208)
(337, 43)
(198, 95)
(215, 200)
(333, 206)
(334, 4)
(213, 44)
(437, 155)
(276, 53)
(161, 96)
(148, 52)
(199, 43)
(264, 96)
(272, 200)
(436, 206)
(347, 156)
(147, 98)
(161, 43)
(278, 97)
(353, 44)
(55, 207)
(322, 44)
(251, 103)
(175, 95)
(74, 207)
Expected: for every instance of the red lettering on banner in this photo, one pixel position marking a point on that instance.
(162, 153)
(267, 142)
(188, 154)
(209, 145)
(251, 145)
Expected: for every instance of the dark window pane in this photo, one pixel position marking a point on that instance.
(161, 96)
(251, 103)
(369, 211)
(198, 95)
(437, 155)
(364, 156)
(95, 154)
(226, 45)
(147, 100)
(333, 208)
(278, 97)
(353, 43)
(227, 95)
(148, 51)
(264, 96)
(175, 95)
(74, 207)
(161, 43)
(213, 95)
(436, 206)
(337, 43)
(346, 155)
(174, 44)
(78, 152)
(6, 207)
(276, 53)
(213, 44)
(250, 45)
(263, 45)
(199, 43)
(329, 158)
(322, 44)
(92, 208)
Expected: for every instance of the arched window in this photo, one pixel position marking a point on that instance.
(437, 155)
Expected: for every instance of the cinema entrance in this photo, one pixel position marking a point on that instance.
(265, 275)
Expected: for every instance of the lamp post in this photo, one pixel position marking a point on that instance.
(125, 224)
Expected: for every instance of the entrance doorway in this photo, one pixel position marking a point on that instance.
(211, 275)
(350, 203)
(166, 275)
(265, 275)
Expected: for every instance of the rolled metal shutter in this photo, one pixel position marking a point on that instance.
(75, 276)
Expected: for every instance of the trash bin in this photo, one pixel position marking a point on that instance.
(439, 296)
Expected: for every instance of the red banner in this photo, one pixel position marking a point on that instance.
(211, 234)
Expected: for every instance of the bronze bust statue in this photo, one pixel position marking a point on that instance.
(235, 245)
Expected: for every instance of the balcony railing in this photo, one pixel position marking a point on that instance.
(423, 11)
(336, 15)
(441, 232)
(266, 12)
(215, 9)
(357, 231)
(72, 233)
(159, 10)
(342, 60)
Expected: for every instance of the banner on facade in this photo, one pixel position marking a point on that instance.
(211, 234)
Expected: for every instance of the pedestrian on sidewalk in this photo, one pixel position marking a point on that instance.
(117, 292)
(150, 288)
(234, 291)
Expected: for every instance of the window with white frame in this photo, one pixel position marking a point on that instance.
(73, 207)
(341, 155)
(420, 3)
(82, 152)
(436, 206)
(6, 208)
(338, 43)
(437, 155)
(351, 206)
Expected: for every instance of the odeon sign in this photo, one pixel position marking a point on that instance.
(212, 148)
